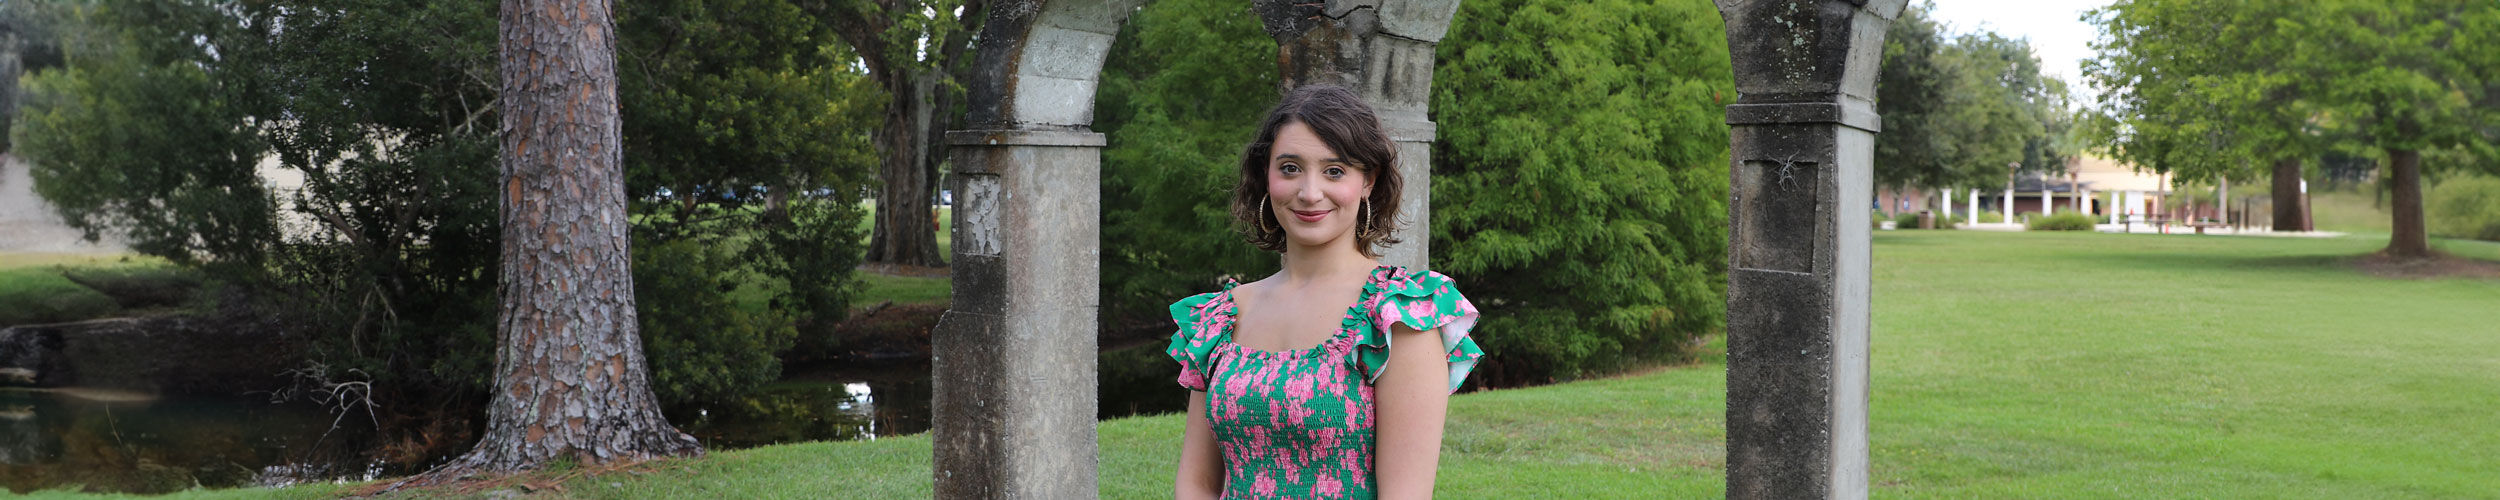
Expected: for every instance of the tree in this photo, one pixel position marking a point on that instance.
(1183, 90)
(2196, 88)
(1580, 178)
(752, 146)
(570, 381)
(912, 48)
(1956, 109)
(29, 40)
(2405, 77)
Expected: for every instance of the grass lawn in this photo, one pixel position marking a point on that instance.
(2006, 365)
(32, 289)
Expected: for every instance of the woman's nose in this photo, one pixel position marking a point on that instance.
(1308, 191)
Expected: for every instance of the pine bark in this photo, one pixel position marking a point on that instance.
(570, 378)
(2291, 210)
(2409, 237)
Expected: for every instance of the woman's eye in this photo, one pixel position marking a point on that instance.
(1290, 169)
(1335, 172)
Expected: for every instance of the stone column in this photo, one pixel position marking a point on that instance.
(1381, 49)
(1013, 358)
(1802, 172)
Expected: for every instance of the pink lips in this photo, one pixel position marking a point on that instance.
(1310, 216)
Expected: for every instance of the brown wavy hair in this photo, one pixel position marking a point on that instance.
(1343, 121)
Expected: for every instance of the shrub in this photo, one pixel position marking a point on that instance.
(702, 345)
(2465, 207)
(1905, 220)
(1991, 217)
(2063, 221)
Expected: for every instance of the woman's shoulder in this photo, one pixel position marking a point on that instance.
(1190, 309)
(1414, 282)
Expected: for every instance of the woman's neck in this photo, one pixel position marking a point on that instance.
(1324, 264)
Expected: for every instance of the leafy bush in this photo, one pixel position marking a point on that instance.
(2465, 207)
(1991, 217)
(2063, 221)
(1905, 220)
(1580, 179)
(702, 346)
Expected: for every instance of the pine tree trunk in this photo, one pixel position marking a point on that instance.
(906, 228)
(2409, 238)
(570, 379)
(2290, 212)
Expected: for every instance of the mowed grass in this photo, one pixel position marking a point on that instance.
(2005, 365)
(33, 290)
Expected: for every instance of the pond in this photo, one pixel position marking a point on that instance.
(106, 441)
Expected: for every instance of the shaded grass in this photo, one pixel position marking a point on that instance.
(876, 288)
(33, 290)
(2005, 365)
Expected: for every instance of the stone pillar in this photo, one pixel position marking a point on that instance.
(1013, 358)
(1800, 180)
(1381, 49)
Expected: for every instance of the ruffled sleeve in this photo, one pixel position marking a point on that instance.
(1422, 300)
(1201, 324)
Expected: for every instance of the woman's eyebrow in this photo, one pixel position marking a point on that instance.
(1291, 156)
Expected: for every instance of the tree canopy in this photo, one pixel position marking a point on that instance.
(744, 144)
(1958, 108)
(2203, 87)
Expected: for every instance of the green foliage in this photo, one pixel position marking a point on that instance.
(1182, 93)
(2465, 207)
(701, 347)
(1957, 109)
(1580, 179)
(1579, 183)
(2200, 86)
(739, 110)
(1905, 220)
(2195, 88)
(188, 192)
(2063, 221)
(746, 124)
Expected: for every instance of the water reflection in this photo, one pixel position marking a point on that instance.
(818, 403)
(120, 442)
(131, 443)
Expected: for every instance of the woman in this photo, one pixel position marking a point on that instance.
(1294, 389)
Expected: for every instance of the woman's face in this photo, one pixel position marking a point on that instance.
(1314, 193)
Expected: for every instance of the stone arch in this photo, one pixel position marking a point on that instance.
(1027, 164)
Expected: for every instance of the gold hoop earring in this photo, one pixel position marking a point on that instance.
(1264, 214)
(1363, 228)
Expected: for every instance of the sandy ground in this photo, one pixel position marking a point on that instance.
(27, 224)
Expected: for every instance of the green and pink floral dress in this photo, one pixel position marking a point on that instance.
(1298, 424)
